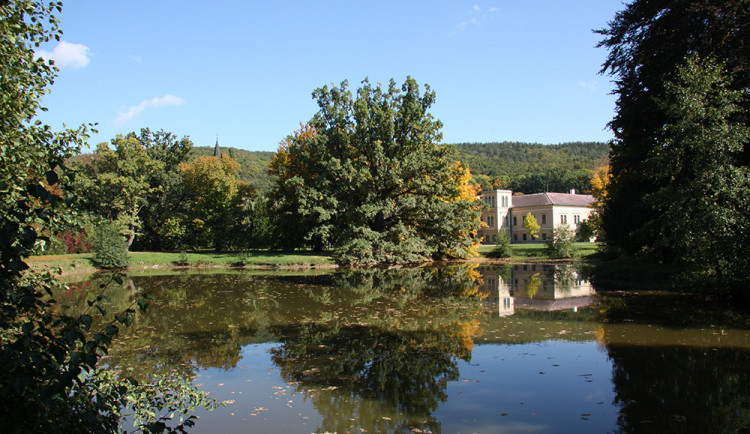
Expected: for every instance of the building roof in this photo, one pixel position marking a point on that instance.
(559, 199)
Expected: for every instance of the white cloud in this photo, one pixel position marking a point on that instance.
(67, 55)
(479, 16)
(587, 85)
(133, 111)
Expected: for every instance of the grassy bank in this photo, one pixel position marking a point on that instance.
(539, 250)
(83, 262)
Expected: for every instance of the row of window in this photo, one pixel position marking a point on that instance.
(563, 220)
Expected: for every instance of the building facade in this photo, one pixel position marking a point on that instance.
(505, 212)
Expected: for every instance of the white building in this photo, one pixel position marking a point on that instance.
(505, 212)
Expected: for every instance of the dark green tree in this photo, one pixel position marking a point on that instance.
(170, 196)
(368, 177)
(702, 199)
(647, 41)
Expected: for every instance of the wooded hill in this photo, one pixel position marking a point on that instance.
(253, 165)
(524, 167)
(513, 159)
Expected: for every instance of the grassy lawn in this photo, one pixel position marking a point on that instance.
(538, 250)
(82, 262)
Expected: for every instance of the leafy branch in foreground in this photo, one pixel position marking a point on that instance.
(50, 380)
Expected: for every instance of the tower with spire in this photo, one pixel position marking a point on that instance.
(217, 150)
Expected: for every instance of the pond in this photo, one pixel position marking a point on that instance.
(460, 348)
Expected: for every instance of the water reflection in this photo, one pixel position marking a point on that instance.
(541, 287)
(439, 349)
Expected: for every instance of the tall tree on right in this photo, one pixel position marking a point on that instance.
(649, 41)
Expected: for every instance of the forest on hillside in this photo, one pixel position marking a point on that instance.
(522, 167)
(253, 165)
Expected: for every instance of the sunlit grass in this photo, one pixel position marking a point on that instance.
(539, 250)
(83, 262)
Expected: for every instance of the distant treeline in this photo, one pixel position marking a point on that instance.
(253, 165)
(522, 167)
(533, 167)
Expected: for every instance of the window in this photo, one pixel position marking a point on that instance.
(515, 221)
(515, 237)
(490, 221)
(544, 236)
(506, 220)
(505, 201)
(576, 218)
(524, 237)
(563, 219)
(493, 201)
(544, 219)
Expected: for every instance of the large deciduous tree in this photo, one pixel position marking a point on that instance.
(116, 184)
(217, 197)
(367, 177)
(648, 41)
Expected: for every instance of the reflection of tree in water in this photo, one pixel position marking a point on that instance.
(406, 373)
(375, 375)
(690, 388)
(681, 389)
(196, 320)
(374, 334)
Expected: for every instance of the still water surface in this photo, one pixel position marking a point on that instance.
(452, 349)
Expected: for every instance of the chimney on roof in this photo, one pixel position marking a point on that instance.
(572, 191)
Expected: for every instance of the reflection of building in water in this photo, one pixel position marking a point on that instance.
(546, 287)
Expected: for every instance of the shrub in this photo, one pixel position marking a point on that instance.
(109, 247)
(502, 248)
(561, 246)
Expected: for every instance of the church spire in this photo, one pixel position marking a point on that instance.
(217, 150)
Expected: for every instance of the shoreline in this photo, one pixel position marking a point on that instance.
(80, 264)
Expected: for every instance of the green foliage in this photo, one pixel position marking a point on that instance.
(503, 247)
(217, 200)
(48, 380)
(253, 165)
(367, 177)
(561, 245)
(703, 196)
(183, 259)
(109, 247)
(589, 229)
(648, 42)
(115, 185)
(531, 225)
(531, 167)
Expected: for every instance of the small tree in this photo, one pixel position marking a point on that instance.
(561, 246)
(502, 248)
(109, 247)
(531, 225)
(588, 229)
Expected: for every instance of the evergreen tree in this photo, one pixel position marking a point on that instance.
(702, 197)
(647, 41)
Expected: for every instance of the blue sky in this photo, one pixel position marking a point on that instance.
(506, 70)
